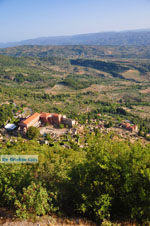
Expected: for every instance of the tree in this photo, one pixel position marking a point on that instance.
(61, 126)
(5, 113)
(33, 133)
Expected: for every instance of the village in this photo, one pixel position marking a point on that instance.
(58, 127)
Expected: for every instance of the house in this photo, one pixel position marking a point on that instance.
(33, 120)
(130, 127)
(69, 122)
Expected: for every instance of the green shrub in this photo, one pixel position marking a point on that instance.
(33, 133)
(61, 126)
(33, 201)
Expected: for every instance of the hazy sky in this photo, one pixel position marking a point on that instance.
(25, 19)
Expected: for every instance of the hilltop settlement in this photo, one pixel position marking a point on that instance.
(54, 126)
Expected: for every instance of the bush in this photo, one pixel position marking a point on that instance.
(33, 201)
(33, 133)
(61, 126)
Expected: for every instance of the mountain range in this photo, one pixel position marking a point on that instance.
(132, 37)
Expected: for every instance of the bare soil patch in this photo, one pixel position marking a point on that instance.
(145, 91)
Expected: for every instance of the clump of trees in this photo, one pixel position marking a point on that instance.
(77, 82)
(33, 133)
(5, 113)
(99, 65)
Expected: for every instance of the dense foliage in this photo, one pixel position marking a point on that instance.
(32, 133)
(100, 65)
(5, 113)
(77, 82)
(108, 179)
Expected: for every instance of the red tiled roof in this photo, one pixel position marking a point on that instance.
(32, 117)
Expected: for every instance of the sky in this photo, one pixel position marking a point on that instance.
(27, 19)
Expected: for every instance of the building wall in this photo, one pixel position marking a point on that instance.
(57, 119)
(68, 122)
(44, 119)
(50, 119)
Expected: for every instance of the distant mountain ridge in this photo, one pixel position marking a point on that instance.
(133, 37)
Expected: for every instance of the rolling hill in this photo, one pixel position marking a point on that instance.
(78, 51)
